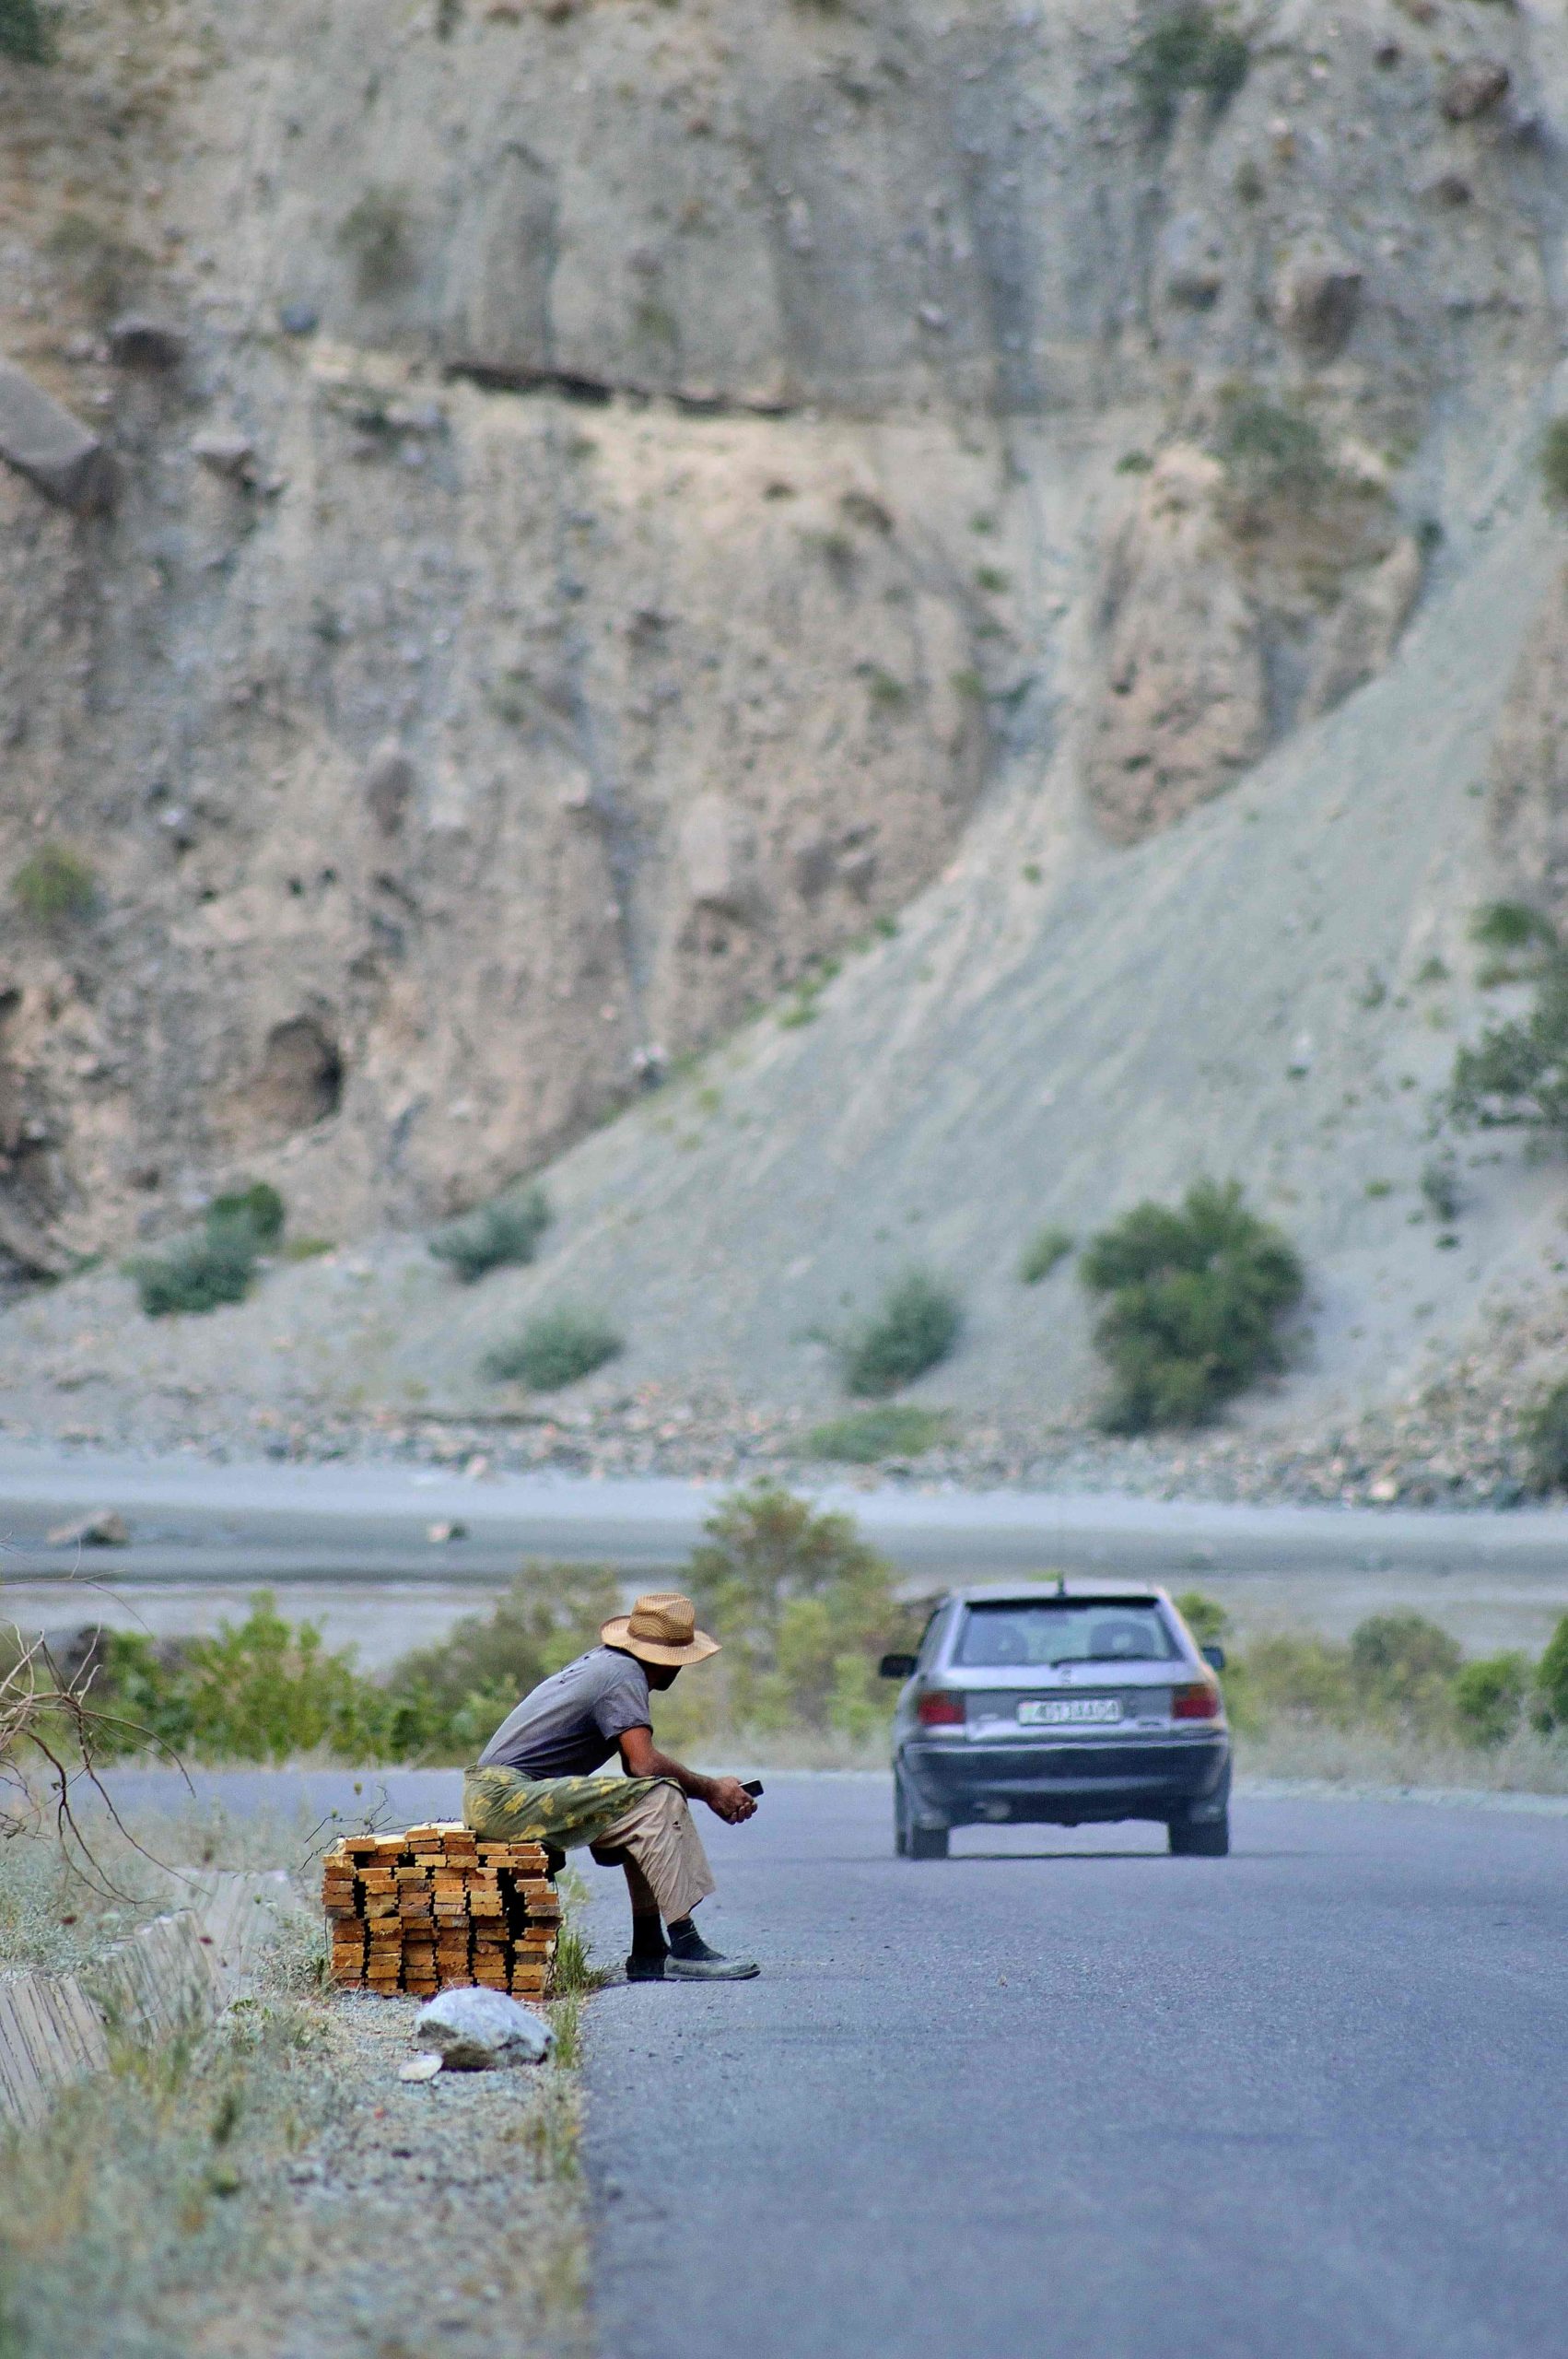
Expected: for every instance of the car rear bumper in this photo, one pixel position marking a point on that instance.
(1066, 1784)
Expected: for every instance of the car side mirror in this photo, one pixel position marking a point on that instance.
(897, 1667)
(1214, 1657)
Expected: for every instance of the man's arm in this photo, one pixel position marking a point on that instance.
(640, 1757)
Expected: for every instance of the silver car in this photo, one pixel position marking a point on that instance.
(1060, 1706)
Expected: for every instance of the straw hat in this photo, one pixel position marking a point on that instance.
(660, 1628)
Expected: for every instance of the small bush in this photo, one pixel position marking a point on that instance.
(1268, 452)
(917, 1325)
(1516, 1075)
(53, 884)
(197, 1273)
(1551, 1680)
(1195, 1301)
(1546, 1438)
(504, 1232)
(1490, 1697)
(1440, 1186)
(260, 1690)
(375, 236)
(1186, 50)
(1044, 1254)
(895, 1431)
(26, 35)
(1403, 1668)
(558, 1347)
(259, 1208)
(1510, 926)
(1555, 463)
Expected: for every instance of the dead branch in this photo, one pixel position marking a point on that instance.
(49, 1721)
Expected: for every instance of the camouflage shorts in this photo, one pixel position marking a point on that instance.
(503, 1806)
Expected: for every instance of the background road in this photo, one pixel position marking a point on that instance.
(348, 1547)
(1064, 2094)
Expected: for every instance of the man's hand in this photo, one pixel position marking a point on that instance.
(730, 1799)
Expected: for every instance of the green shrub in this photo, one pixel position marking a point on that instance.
(259, 1208)
(1555, 463)
(1510, 926)
(917, 1325)
(1546, 1439)
(53, 884)
(504, 1232)
(1185, 50)
(202, 1273)
(806, 1609)
(375, 236)
(1440, 1186)
(1195, 1298)
(1490, 1697)
(1516, 1075)
(197, 1273)
(26, 34)
(1267, 450)
(1044, 1252)
(558, 1347)
(1204, 1616)
(260, 1690)
(1551, 1680)
(1403, 1668)
(897, 1430)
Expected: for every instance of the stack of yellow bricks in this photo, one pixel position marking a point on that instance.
(434, 1909)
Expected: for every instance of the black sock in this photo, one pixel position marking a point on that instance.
(686, 1940)
(647, 1939)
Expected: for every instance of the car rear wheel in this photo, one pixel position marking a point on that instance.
(909, 1840)
(1204, 1839)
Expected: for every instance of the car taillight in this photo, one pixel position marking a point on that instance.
(1198, 1702)
(940, 1711)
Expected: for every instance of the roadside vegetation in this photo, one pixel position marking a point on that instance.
(217, 2187)
(216, 1264)
(1402, 1689)
(503, 1233)
(804, 1608)
(1194, 1298)
(915, 1328)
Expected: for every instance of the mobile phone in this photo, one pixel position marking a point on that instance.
(752, 1786)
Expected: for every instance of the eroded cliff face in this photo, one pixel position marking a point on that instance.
(611, 482)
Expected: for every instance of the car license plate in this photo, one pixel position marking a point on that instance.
(1070, 1711)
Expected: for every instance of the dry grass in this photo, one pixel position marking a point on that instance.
(1528, 1764)
(270, 2183)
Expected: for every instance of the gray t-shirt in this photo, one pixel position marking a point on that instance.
(568, 1726)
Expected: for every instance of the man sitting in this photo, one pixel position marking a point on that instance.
(534, 1783)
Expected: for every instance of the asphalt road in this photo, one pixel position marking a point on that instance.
(1064, 2094)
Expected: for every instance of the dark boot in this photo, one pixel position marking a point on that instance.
(650, 1950)
(690, 1960)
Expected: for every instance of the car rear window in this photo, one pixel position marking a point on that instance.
(995, 1638)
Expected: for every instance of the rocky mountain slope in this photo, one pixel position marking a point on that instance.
(613, 500)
